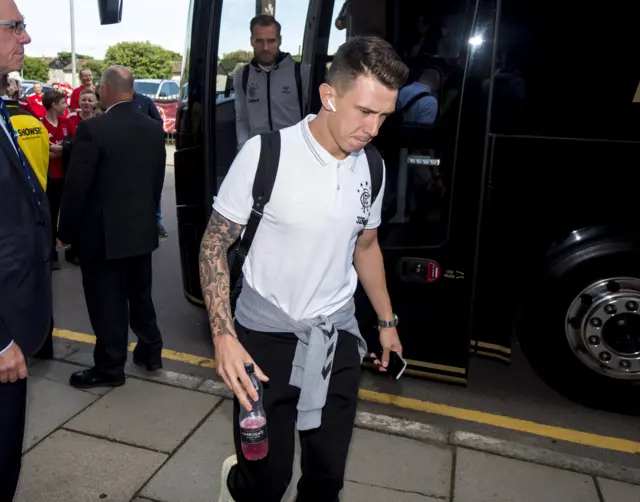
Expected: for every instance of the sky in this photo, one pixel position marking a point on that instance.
(161, 22)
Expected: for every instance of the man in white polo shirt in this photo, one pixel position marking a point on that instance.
(295, 317)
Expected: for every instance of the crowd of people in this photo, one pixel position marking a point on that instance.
(84, 174)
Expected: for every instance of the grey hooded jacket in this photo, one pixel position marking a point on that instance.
(313, 360)
(271, 101)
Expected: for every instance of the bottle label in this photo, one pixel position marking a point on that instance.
(253, 436)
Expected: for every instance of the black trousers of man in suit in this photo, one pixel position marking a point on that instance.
(118, 294)
(13, 402)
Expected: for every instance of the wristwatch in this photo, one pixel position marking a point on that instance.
(388, 324)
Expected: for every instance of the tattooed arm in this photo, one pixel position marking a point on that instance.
(214, 281)
(214, 272)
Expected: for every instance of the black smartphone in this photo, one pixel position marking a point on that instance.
(397, 365)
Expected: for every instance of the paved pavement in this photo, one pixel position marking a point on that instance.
(163, 437)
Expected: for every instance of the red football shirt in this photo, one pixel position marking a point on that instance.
(65, 129)
(37, 107)
(75, 118)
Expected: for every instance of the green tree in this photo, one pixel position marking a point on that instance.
(175, 56)
(35, 69)
(142, 58)
(65, 57)
(230, 60)
(96, 67)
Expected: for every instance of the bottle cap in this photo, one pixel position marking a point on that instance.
(248, 367)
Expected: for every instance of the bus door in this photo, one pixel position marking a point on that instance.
(218, 40)
(433, 154)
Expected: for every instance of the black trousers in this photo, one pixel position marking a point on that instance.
(118, 294)
(13, 402)
(324, 450)
(55, 187)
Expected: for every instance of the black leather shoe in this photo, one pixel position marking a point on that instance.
(150, 363)
(88, 379)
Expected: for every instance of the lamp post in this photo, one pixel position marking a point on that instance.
(73, 44)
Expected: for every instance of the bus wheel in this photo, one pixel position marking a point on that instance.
(581, 328)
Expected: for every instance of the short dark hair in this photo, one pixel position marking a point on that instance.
(367, 56)
(51, 98)
(265, 20)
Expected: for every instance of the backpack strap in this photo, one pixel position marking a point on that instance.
(245, 78)
(414, 100)
(262, 188)
(376, 167)
(298, 73)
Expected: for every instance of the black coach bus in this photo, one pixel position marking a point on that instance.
(512, 215)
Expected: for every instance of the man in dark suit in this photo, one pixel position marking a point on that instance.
(25, 270)
(108, 215)
(146, 106)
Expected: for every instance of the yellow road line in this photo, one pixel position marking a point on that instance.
(504, 422)
(194, 360)
(516, 424)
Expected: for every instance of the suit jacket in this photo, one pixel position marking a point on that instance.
(147, 106)
(113, 186)
(25, 249)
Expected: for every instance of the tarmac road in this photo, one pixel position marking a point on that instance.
(509, 394)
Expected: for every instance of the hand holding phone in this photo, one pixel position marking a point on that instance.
(397, 365)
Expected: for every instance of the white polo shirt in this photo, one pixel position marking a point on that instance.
(301, 258)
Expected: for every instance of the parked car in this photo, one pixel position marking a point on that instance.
(157, 89)
(27, 87)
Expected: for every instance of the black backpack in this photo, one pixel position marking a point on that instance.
(298, 74)
(262, 187)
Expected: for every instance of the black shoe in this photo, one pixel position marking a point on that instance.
(161, 231)
(88, 379)
(150, 363)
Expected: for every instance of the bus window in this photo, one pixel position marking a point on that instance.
(553, 82)
(418, 144)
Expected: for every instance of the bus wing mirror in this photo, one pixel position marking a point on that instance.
(110, 11)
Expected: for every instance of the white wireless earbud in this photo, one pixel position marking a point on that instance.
(333, 108)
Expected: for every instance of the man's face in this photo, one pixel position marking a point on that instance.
(37, 88)
(11, 45)
(266, 44)
(60, 107)
(55, 87)
(361, 110)
(87, 78)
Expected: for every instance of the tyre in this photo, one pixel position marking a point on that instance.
(579, 326)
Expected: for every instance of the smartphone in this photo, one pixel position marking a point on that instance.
(397, 365)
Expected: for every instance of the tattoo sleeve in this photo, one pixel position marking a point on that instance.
(214, 272)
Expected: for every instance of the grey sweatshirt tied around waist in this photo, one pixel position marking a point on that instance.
(313, 359)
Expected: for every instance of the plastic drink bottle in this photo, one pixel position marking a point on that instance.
(253, 424)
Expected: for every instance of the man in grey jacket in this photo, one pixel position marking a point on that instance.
(295, 316)
(272, 91)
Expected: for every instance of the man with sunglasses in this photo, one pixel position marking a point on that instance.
(25, 271)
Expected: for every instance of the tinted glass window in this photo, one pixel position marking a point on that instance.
(567, 69)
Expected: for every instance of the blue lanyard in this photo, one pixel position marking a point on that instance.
(14, 137)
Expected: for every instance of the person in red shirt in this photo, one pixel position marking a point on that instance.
(35, 101)
(60, 129)
(86, 77)
(88, 101)
(56, 87)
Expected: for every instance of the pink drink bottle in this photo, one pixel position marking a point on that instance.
(253, 424)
